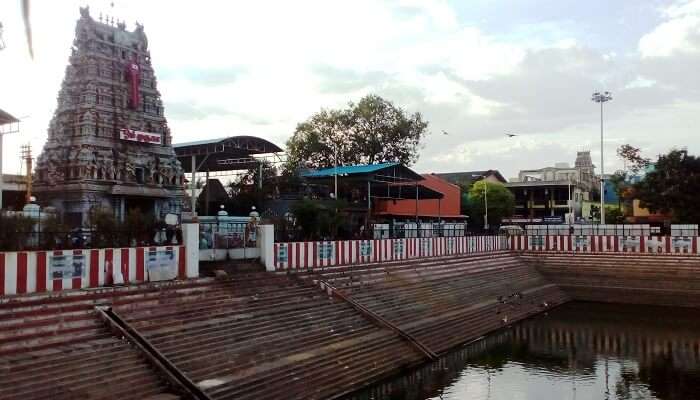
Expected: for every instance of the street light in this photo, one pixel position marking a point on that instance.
(486, 205)
(602, 98)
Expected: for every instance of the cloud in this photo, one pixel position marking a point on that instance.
(477, 72)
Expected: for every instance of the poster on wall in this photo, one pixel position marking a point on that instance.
(450, 245)
(425, 246)
(682, 244)
(282, 253)
(66, 266)
(629, 243)
(537, 241)
(398, 247)
(654, 245)
(582, 241)
(325, 250)
(161, 265)
(365, 249)
(472, 244)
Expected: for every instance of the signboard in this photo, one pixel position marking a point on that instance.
(365, 249)
(141, 137)
(325, 250)
(282, 253)
(161, 265)
(557, 220)
(66, 266)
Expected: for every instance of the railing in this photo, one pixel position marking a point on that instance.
(84, 238)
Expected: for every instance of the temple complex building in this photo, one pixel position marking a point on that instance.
(109, 146)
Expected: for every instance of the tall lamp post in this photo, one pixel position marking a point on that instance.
(602, 98)
(486, 205)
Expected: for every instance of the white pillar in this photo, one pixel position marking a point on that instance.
(266, 244)
(190, 238)
(1, 177)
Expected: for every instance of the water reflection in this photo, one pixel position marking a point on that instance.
(577, 351)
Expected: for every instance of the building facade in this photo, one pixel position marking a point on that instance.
(547, 201)
(109, 146)
(582, 173)
(445, 208)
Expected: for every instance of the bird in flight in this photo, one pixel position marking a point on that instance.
(511, 134)
(444, 132)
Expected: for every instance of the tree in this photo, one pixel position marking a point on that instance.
(501, 202)
(319, 220)
(251, 177)
(371, 131)
(632, 158)
(614, 216)
(633, 163)
(619, 182)
(673, 186)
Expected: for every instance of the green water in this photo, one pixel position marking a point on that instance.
(584, 351)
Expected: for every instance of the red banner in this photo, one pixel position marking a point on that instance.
(142, 137)
(133, 72)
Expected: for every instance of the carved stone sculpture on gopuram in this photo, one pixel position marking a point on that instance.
(109, 146)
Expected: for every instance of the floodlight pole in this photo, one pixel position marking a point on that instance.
(486, 205)
(335, 173)
(192, 186)
(602, 98)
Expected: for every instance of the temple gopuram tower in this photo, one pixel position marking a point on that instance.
(109, 145)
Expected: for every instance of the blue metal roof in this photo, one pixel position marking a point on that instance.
(347, 170)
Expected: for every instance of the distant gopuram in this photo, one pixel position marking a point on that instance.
(109, 145)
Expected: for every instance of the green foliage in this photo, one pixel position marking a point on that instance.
(106, 228)
(501, 203)
(317, 219)
(631, 155)
(251, 177)
(371, 131)
(137, 227)
(614, 215)
(54, 233)
(14, 231)
(672, 187)
(619, 182)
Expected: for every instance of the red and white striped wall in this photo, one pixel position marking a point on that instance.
(607, 243)
(29, 271)
(309, 255)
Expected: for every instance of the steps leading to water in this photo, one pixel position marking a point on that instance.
(671, 280)
(263, 335)
(446, 301)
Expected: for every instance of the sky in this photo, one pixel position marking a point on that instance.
(475, 69)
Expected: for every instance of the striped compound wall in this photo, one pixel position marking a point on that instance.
(614, 244)
(308, 255)
(50, 271)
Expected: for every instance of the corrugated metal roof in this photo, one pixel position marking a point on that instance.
(348, 170)
(6, 118)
